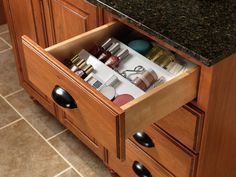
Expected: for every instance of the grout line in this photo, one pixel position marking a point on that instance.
(44, 139)
(5, 50)
(3, 32)
(56, 135)
(67, 169)
(15, 121)
(17, 91)
(6, 42)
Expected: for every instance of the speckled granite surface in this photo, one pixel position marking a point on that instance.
(204, 29)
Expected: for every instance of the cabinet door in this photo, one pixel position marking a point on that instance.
(25, 17)
(22, 17)
(67, 19)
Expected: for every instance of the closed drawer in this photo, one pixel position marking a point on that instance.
(137, 163)
(109, 124)
(166, 151)
(185, 125)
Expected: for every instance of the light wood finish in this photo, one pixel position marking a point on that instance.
(217, 96)
(82, 134)
(91, 112)
(42, 99)
(170, 96)
(66, 19)
(107, 16)
(99, 115)
(124, 169)
(2, 14)
(21, 21)
(183, 86)
(174, 157)
(185, 125)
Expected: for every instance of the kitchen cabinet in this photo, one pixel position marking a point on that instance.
(65, 19)
(183, 134)
(24, 18)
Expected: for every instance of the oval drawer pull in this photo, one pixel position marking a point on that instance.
(143, 139)
(63, 98)
(140, 170)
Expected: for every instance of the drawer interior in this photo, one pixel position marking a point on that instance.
(122, 34)
(174, 85)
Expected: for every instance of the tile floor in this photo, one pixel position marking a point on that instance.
(32, 142)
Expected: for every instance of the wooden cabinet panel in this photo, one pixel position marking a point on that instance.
(21, 17)
(80, 132)
(134, 154)
(67, 19)
(168, 153)
(107, 17)
(2, 15)
(185, 125)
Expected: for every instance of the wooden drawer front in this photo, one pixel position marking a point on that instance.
(84, 136)
(134, 154)
(41, 98)
(109, 124)
(185, 125)
(172, 156)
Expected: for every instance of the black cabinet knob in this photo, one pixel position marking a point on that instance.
(63, 98)
(140, 170)
(143, 139)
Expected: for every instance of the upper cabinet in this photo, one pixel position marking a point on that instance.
(65, 19)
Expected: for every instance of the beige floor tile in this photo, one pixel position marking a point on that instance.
(8, 75)
(3, 45)
(7, 114)
(41, 119)
(6, 37)
(88, 164)
(3, 28)
(24, 153)
(69, 173)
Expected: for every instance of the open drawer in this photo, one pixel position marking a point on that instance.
(109, 124)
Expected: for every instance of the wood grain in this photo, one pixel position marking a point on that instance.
(174, 157)
(218, 150)
(185, 125)
(83, 136)
(99, 120)
(66, 19)
(99, 115)
(124, 169)
(21, 21)
(160, 101)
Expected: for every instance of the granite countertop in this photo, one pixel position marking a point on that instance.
(204, 29)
